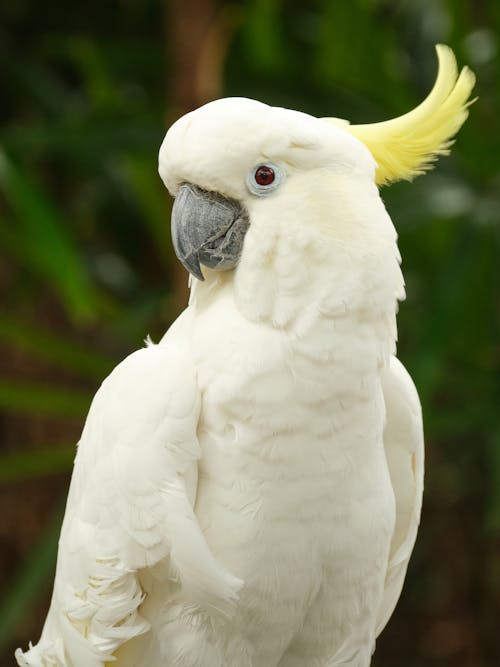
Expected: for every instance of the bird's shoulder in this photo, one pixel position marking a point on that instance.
(140, 432)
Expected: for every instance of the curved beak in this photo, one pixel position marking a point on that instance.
(207, 228)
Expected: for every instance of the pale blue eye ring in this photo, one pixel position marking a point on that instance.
(264, 179)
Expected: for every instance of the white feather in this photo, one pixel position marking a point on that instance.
(404, 446)
(129, 509)
(247, 492)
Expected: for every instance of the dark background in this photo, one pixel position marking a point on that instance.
(87, 90)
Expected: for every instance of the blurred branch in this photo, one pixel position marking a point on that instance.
(212, 54)
(189, 23)
(198, 36)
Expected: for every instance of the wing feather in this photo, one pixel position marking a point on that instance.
(130, 507)
(404, 446)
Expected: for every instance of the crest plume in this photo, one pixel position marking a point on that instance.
(407, 146)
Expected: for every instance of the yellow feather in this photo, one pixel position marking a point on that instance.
(407, 146)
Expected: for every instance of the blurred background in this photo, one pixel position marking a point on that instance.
(87, 91)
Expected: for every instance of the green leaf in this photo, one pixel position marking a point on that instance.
(100, 88)
(18, 466)
(51, 347)
(142, 179)
(78, 140)
(44, 238)
(264, 35)
(23, 397)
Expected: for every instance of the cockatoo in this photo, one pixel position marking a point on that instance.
(247, 492)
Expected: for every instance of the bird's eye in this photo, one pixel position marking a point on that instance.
(264, 179)
(264, 175)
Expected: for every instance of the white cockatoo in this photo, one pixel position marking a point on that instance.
(246, 493)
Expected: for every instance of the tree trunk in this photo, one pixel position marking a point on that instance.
(197, 35)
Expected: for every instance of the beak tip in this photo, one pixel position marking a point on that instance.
(199, 276)
(192, 264)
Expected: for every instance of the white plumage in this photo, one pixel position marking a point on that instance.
(247, 492)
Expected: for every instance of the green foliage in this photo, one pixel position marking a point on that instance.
(40, 399)
(23, 465)
(40, 239)
(33, 577)
(86, 259)
(54, 348)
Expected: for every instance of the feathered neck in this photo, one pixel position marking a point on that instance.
(290, 281)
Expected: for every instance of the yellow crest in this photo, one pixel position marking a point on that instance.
(407, 146)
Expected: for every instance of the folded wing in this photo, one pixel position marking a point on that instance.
(404, 446)
(130, 508)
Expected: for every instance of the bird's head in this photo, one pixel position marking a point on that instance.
(242, 170)
(237, 163)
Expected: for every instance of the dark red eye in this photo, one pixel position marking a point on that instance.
(264, 175)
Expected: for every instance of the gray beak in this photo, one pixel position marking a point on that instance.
(207, 228)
